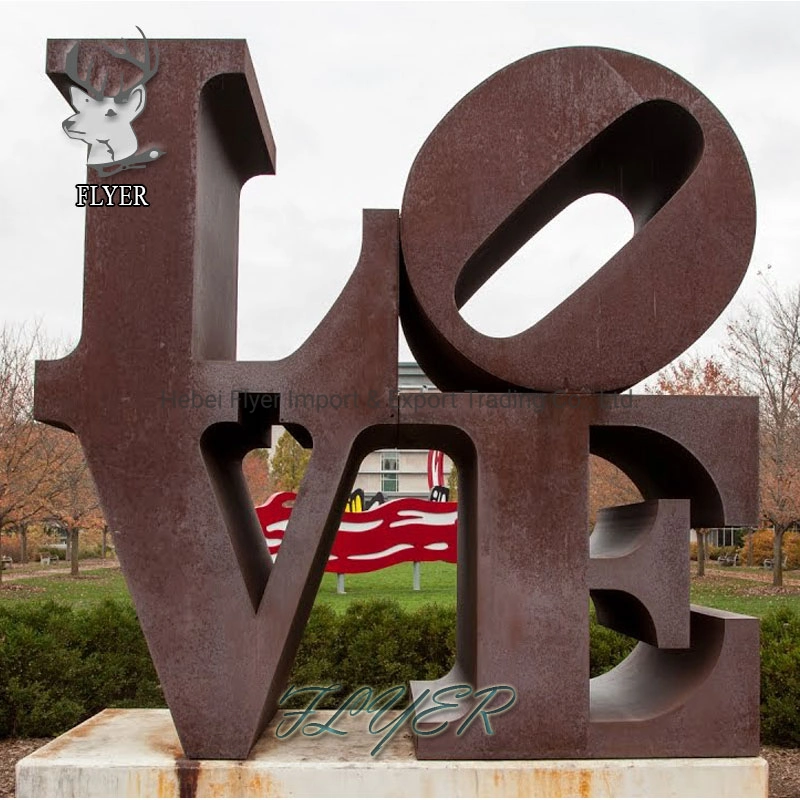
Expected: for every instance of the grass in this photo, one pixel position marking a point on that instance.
(93, 586)
(437, 585)
(743, 596)
(438, 582)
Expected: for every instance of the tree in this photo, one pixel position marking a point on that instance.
(38, 485)
(256, 472)
(289, 462)
(73, 504)
(17, 430)
(764, 342)
(28, 453)
(608, 487)
(763, 543)
(696, 375)
(452, 483)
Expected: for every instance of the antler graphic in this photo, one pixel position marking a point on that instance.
(148, 66)
(85, 83)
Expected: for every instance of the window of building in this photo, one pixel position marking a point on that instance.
(390, 465)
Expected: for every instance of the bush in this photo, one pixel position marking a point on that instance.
(780, 678)
(60, 666)
(714, 553)
(53, 551)
(13, 548)
(764, 542)
(374, 643)
(606, 648)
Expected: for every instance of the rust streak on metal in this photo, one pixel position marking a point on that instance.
(188, 772)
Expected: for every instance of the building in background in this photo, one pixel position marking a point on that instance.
(400, 473)
(396, 473)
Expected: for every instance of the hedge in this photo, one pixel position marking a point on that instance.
(59, 665)
(780, 678)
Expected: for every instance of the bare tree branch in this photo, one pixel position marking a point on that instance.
(764, 343)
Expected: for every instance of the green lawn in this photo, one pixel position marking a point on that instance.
(92, 586)
(742, 595)
(437, 585)
(438, 582)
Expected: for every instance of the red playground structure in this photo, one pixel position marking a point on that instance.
(384, 533)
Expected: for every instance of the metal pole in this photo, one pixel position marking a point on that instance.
(340, 583)
(416, 576)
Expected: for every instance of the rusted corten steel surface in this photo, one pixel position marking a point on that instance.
(516, 151)
(222, 621)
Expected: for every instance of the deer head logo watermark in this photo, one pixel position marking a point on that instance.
(106, 123)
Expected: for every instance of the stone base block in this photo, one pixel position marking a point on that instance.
(136, 753)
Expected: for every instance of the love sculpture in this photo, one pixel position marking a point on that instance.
(221, 619)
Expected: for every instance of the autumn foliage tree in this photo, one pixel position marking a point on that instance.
(43, 475)
(697, 376)
(28, 454)
(73, 503)
(763, 543)
(764, 342)
(257, 475)
(452, 483)
(608, 487)
(289, 462)
(17, 430)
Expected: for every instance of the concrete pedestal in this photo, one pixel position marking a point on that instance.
(134, 753)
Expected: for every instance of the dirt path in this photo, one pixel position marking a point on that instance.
(762, 576)
(26, 571)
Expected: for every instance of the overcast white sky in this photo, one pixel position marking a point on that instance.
(352, 90)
